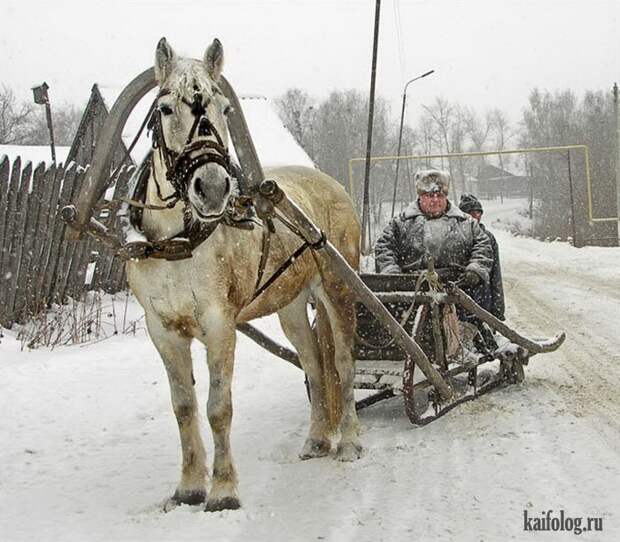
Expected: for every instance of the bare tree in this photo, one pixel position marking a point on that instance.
(66, 119)
(427, 136)
(295, 108)
(551, 120)
(503, 133)
(450, 128)
(478, 131)
(14, 117)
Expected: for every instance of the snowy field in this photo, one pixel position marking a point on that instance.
(90, 447)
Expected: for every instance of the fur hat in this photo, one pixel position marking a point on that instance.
(432, 180)
(469, 202)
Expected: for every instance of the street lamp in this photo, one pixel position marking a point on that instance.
(400, 133)
(41, 98)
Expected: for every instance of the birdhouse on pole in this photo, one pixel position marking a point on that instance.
(40, 94)
(41, 98)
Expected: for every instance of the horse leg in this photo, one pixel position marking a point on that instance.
(174, 349)
(340, 308)
(220, 339)
(296, 327)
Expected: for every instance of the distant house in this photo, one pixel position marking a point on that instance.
(493, 181)
(274, 143)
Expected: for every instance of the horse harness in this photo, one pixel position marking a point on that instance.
(180, 167)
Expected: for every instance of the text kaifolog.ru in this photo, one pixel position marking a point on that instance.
(548, 521)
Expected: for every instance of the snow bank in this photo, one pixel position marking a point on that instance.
(34, 153)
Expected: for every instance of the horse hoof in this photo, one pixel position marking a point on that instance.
(184, 497)
(350, 451)
(315, 448)
(227, 503)
(191, 497)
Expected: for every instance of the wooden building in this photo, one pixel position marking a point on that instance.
(85, 140)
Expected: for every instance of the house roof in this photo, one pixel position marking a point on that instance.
(33, 153)
(274, 143)
(489, 171)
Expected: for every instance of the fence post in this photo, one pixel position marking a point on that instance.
(21, 217)
(57, 225)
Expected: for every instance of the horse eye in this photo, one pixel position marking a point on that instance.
(165, 109)
(227, 110)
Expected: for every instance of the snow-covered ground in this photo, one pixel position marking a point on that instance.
(89, 446)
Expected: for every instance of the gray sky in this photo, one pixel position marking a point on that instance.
(485, 53)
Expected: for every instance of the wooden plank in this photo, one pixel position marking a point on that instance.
(24, 282)
(67, 248)
(81, 255)
(79, 265)
(73, 247)
(41, 297)
(57, 246)
(21, 217)
(5, 244)
(105, 255)
(118, 280)
(62, 286)
(41, 235)
(5, 170)
(114, 273)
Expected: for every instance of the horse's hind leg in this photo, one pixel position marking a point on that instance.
(340, 308)
(296, 327)
(174, 349)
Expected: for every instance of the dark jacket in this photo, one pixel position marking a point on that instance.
(491, 296)
(452, 239)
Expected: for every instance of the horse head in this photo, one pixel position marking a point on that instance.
(189, 90)
(191, 131)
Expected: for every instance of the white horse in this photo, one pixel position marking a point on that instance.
(204, 297)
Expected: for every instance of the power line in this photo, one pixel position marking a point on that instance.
(399, 41)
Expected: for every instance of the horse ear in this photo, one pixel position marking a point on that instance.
(214, 59)
(165, 57)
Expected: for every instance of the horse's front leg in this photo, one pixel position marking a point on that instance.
(174, 348)
(219, 329)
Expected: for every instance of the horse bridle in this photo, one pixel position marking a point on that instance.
(180, 167)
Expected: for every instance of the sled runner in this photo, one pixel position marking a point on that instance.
(465, 351)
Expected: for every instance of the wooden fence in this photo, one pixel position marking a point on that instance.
(37, 266)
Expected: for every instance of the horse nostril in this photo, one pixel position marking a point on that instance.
(198, 188)
(203, 128)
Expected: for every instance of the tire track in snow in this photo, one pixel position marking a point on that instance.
(589, 357)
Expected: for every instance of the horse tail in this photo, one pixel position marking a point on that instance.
(329, 374)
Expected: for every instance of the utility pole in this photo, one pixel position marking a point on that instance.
(41, 98)
(617, 108)
(371, 108)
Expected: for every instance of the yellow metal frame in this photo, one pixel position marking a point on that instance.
(489, 153)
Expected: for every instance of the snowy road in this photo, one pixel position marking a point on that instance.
(90, 448)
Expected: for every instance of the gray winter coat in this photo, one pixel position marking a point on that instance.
(491, 296)
(452, 239)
